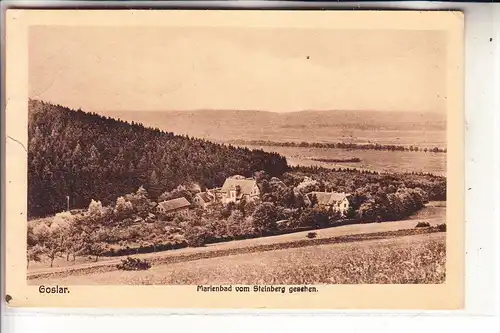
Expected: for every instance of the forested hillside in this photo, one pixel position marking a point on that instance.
(84, 156)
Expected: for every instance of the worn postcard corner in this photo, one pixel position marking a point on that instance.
(250, 160)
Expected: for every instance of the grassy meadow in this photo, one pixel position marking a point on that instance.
(401, 260)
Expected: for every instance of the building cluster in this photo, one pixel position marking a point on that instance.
(238, 189)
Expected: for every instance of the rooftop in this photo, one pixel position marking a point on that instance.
(205, 196)
(173, 204)
(328, 198)
(246, 185)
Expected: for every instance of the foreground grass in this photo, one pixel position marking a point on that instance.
(403, 260)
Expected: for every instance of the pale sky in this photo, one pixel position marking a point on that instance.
(165, 68)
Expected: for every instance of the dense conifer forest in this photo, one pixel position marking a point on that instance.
(85, 156)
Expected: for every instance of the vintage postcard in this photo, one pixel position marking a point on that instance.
(235, 159)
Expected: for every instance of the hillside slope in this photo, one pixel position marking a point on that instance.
(86, 156)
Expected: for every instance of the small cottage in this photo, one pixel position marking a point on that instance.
(179, 205)
(338, 202)
(204, 199)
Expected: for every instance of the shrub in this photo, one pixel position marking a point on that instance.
(195, 240)
(264, 217)
(442, 227)
(311, 235)
(196, 236)
(133, 264)
(422, 225)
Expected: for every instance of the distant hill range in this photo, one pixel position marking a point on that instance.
(247, 124)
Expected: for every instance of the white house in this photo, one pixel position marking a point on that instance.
(204, 199)
(339, 202)
(237, 188)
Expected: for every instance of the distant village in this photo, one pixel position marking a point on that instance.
(238, 188)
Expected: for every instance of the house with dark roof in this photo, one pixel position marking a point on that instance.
(204, 199)
(338, 202)
(237, 188)
(179, 205)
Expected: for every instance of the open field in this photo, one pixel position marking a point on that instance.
(375, 160)
(409, 259)
(433, 209)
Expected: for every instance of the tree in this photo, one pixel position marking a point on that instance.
(264, 217)
(247, 227)
(34, 253)
(334, 216)
(308, 185)
(196, 236)
(94, 155)
(367, 211)
(156, 240)
(93, 243)
(306, 218)
(299, 200)
(123, 208)
(276, 184)
(31, 239)
(141, 192)
(40, 233)
(351, 213)
(140, 202)
(234, 222)
(54, 244)
(248, 207)
(154, 185)
(264, 187)
(73, 240)
(321, 218)
(313, 217)
(227, 209)
(95, 208)
(260, 176)
(285, 196)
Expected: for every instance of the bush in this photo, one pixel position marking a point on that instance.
(133, 264)
(196, 236)
(422, 225)
(311, 235)
(442, 227)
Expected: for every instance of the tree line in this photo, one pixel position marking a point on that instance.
(339, 145)
(353, 180)
(84, 155)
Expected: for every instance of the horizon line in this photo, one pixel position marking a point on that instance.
(277, 112)
(239, 110)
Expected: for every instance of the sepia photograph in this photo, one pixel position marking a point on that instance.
(224, 155)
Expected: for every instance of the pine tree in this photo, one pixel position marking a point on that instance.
(154, 187)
